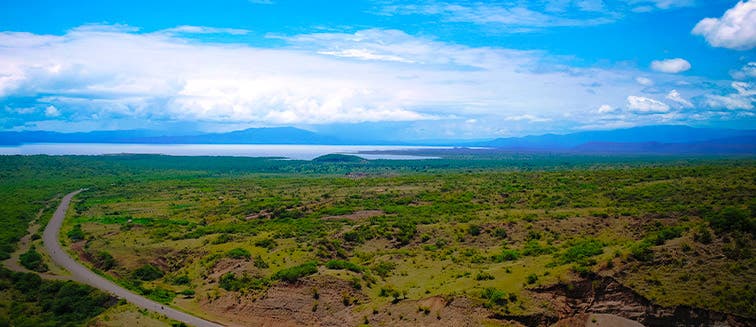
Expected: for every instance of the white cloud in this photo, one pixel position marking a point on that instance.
(747, 71)
(364, 55)
(323, 78)
(742, 100)
(670, 66)
(189, 29)
(646, 105)
(648, 5)
(605, 109)
(734, 30)
(675, 96)
(518, 17)
(51, 111)
(527, 117)
(744, 88)
(732, 102)
(645, 81)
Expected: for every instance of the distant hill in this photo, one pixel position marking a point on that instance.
(733, 145)
(339, 158)
(646, 134)
(648, 139)
(273, 135)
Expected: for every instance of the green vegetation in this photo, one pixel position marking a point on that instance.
(147, 272)
(344, 265)
(32, 260)
(293, 274)
(489, 228)
(238, 253)
(27, 300)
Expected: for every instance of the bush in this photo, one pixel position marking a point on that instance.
(76, 234)
(494, 296)
(532, 278)
(641, 251)
(293, 274)
(384, 268)
(344, 265)
(581, 251)
(507, 255)
(238, 253)
(474, 230)
(534, 248)
(500, 233)
(147, 272)
(482, 275)
(260, 263)
(702, 235)
(222, 238)
(230, 282)
(732, 219)
(266, 243)
(32, 260)
(181, 280)
(104, 261)
(159, 294)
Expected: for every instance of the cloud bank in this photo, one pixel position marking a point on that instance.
(110, 76)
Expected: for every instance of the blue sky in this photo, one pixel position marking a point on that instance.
(410, 69)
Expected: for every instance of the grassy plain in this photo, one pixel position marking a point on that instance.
(382, 241)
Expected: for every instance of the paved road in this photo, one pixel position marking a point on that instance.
(86, 276)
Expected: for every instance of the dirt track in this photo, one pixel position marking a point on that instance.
(84, 275)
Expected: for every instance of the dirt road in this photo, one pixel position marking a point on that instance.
(86, 276)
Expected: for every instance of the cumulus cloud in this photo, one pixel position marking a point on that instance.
(645, 81)
(527, 117)
(190, 29)
(646, 105)
(747, 71)
(675, 96)
(605, 109)
(314, 79)
(743, 99)
(51, 111)
(670, 66)
(734, 30)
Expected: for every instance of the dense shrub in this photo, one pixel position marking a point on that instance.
(534, 248)
(581, 251)
(293, 274)
(260, 263)
(147, 272)
(104, 261)
(383, 268)
(494, 297)
(32, 260)
(266, 243)
(37, 302)
(238, 253)
(507, 255)
(344, 265)
(731, 219)
(76, 234)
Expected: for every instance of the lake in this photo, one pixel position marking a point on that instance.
(290, 151)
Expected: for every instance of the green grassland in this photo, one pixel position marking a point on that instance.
(190, 231)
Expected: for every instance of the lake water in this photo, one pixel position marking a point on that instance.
(297, 152)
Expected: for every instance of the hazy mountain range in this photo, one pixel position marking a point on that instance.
(648, 139)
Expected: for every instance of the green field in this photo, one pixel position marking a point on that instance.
(390, 242)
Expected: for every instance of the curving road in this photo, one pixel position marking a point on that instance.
(86, 276)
